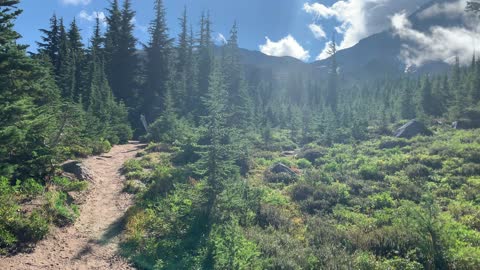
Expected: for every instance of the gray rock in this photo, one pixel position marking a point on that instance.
(282, 168)
(77, 169)
(412, 129)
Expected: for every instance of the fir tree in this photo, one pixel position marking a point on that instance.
(205, 60)
(157, 70)
(66, 70)
(217, 161)
(50, 44)
(332, 86)
(407, 105)
(27, 100)
(77, 56)
(122, 63)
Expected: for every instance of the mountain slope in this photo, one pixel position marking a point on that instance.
(379, 54)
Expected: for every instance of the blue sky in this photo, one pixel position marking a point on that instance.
(299, 28)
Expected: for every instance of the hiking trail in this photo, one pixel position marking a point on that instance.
(92, 241)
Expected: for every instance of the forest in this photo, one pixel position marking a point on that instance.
(244, 168)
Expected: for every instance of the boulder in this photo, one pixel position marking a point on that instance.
(412, 129)
(77, 169)
(288, 154)
(282, 168)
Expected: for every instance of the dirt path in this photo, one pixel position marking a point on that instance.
(92, 242)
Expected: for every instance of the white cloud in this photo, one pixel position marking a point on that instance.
(76, 2)
(287, 46)
(320, 10)
(437, 44)
(220, 39)
(83, 15)
(358, 19)
(317, 31)
(449, 9)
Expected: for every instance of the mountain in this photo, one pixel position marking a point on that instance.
(375, 56)
(379, 54)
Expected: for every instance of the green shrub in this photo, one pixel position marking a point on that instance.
(31, 188)
(370, 172)
(101, 147)
(67, 185)
(417, 171)
(32, 229)
(284, 178)
(132, 165)
(304, 164)
(231, 250)
(58, 208)
(301, 192)
(123, 132)
(313, 154)
(381, 200)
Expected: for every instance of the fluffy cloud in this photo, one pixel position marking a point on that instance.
(448, 9)
(358, 19)
(220, 39)
(317, 31)
(76, 2)
(287, 46)
(83, 15)
(437, 44)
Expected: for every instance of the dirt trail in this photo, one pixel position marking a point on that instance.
(92, 242)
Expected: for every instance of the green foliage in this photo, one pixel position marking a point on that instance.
(231, 250)
(59, 209)
(67, 185)
(304, 163)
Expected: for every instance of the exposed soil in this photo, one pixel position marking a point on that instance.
(92, 242)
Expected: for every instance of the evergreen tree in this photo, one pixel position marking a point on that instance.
(66, 70)
(427, 101)
(157, 69)
(205, 61)
(239, 102)
(77, 56)
(184, 67)
(122, 62)
(50, 44)
(332, 86)
(407, 105)
(217, 162)
(27, 99)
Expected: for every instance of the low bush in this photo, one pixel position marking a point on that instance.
(304, 163)
(370, 172)
(67, 185)
(59, 209)
(284, 178)
(101, 147)
(417, 171)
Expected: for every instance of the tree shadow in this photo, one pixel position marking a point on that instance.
(115, 229)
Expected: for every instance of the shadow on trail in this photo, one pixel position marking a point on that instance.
(112, 231)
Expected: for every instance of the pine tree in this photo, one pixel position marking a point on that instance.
(182, 65)
(427, 101)
(66, 70)
(27, 99)
(407, 105)
(157, 70)
(332, 86)
(205, 61)
(217, 161)
(50, 44)
(122, 63)
(78, 65)
(239, 102)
